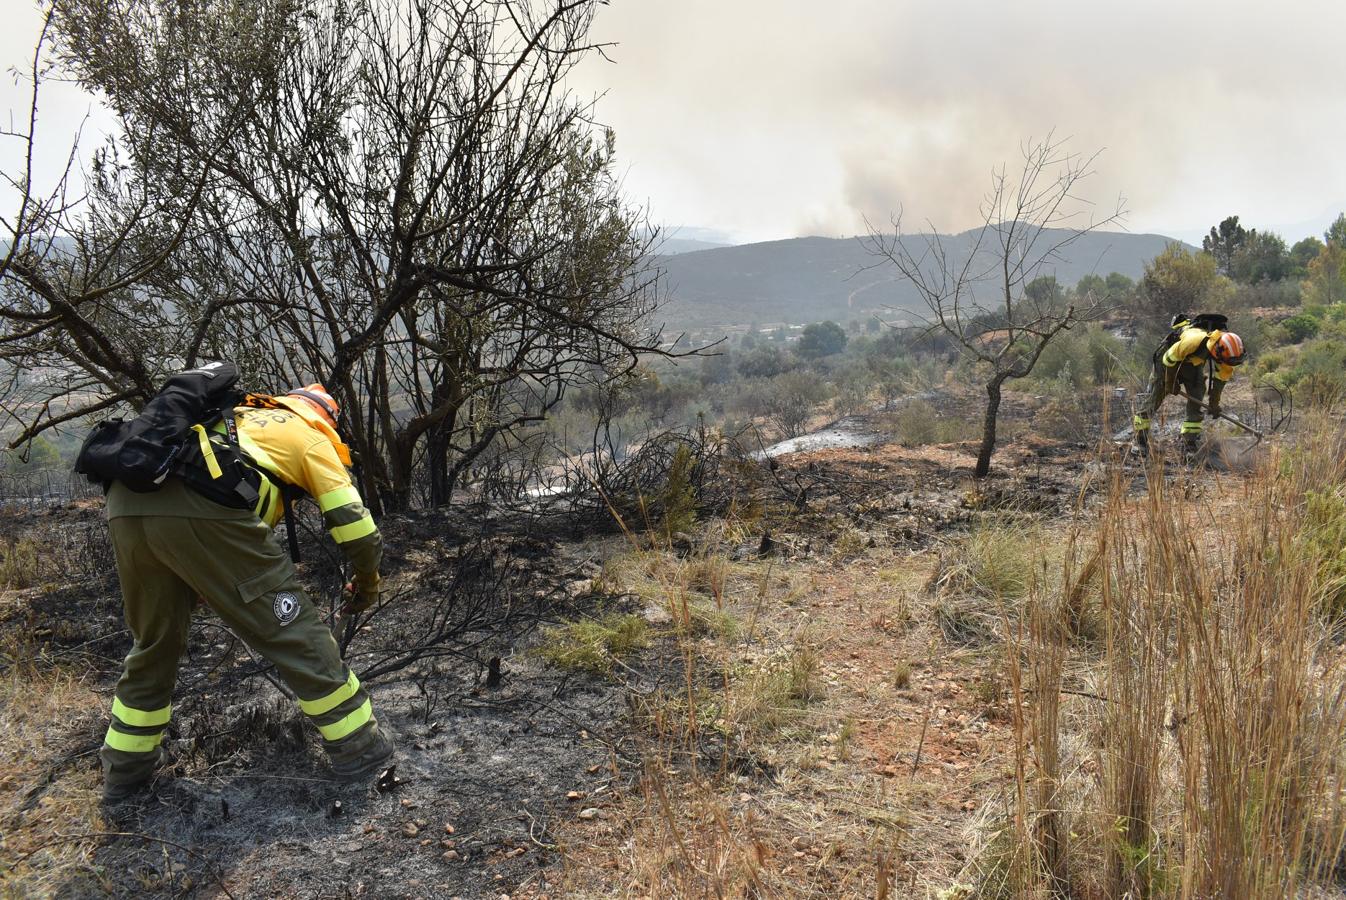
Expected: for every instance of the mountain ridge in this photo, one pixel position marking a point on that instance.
(808, 279)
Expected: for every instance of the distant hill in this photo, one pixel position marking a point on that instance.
(675, 246)
(814, 278)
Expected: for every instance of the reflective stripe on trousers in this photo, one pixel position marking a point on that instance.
(136, 730)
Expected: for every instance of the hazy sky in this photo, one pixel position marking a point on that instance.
(774, 118)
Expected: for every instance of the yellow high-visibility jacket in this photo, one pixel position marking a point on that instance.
(295, 445)
(1193, 347)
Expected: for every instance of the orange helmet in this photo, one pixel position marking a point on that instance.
(316, 395)
(1228, 349)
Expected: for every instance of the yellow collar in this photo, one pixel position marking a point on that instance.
(314, 419)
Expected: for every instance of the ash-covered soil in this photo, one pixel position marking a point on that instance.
(477, 785)
(246, 805)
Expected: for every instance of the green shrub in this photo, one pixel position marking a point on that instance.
(1270, 362)
(918, 423)
(1301, 327)
(1325, 540)
(678, 500)
(1319, 375)
(1082, 359)
(593, 645)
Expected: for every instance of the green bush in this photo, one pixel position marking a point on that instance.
(1082, 359)
(1271, 362)
(1325, 541)
(1319, 375)
(593, 645)
(1301, 327)
(677, 500)
(916, 424)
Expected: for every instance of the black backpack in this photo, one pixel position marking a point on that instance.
(187, 429)
(1204, 321)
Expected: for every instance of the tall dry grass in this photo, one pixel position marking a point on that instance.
(1195, 749)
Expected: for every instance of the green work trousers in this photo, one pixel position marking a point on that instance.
(240, 569)
(1163, 382)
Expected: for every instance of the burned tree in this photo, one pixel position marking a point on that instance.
(398, 197)
(77, 336)
(983, 296)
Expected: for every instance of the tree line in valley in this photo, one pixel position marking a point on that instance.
(401, 198)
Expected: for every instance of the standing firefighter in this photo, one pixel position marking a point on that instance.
(174, 544)
(1192, 345)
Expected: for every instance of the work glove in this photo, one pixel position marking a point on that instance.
(364, 592)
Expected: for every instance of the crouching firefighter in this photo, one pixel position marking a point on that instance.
(197, 521)
(1192, 345)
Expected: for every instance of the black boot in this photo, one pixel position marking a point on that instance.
(120, 791)
(374, 752)
(1142, 441)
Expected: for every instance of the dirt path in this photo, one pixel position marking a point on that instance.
(842, 739)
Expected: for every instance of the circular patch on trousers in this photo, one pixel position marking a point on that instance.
(286, 607)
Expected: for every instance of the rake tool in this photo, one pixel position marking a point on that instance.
(1219, 415)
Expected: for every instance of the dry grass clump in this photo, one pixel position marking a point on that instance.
(1323, 538)
(694, 836)
(692, 593)
(1196, 749)
(21, 562)
(773, 693)
(902, 674)
(980, 580)
(850, 543)
(34, 861)
(993, 562)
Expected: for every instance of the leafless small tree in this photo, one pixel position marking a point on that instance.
(787, 401)
(981, 294)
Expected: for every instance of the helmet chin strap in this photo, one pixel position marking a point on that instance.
(317, 401)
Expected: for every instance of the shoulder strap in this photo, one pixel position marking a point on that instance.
(231, 432)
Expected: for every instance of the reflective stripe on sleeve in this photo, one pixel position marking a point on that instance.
(140, 718)
(269, 507)
(349, 725)
(332, 700)
(132, 743)
(339, 497)
(355, 530)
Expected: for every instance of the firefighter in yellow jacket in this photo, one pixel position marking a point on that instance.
(1179, 369)
(174, 545)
